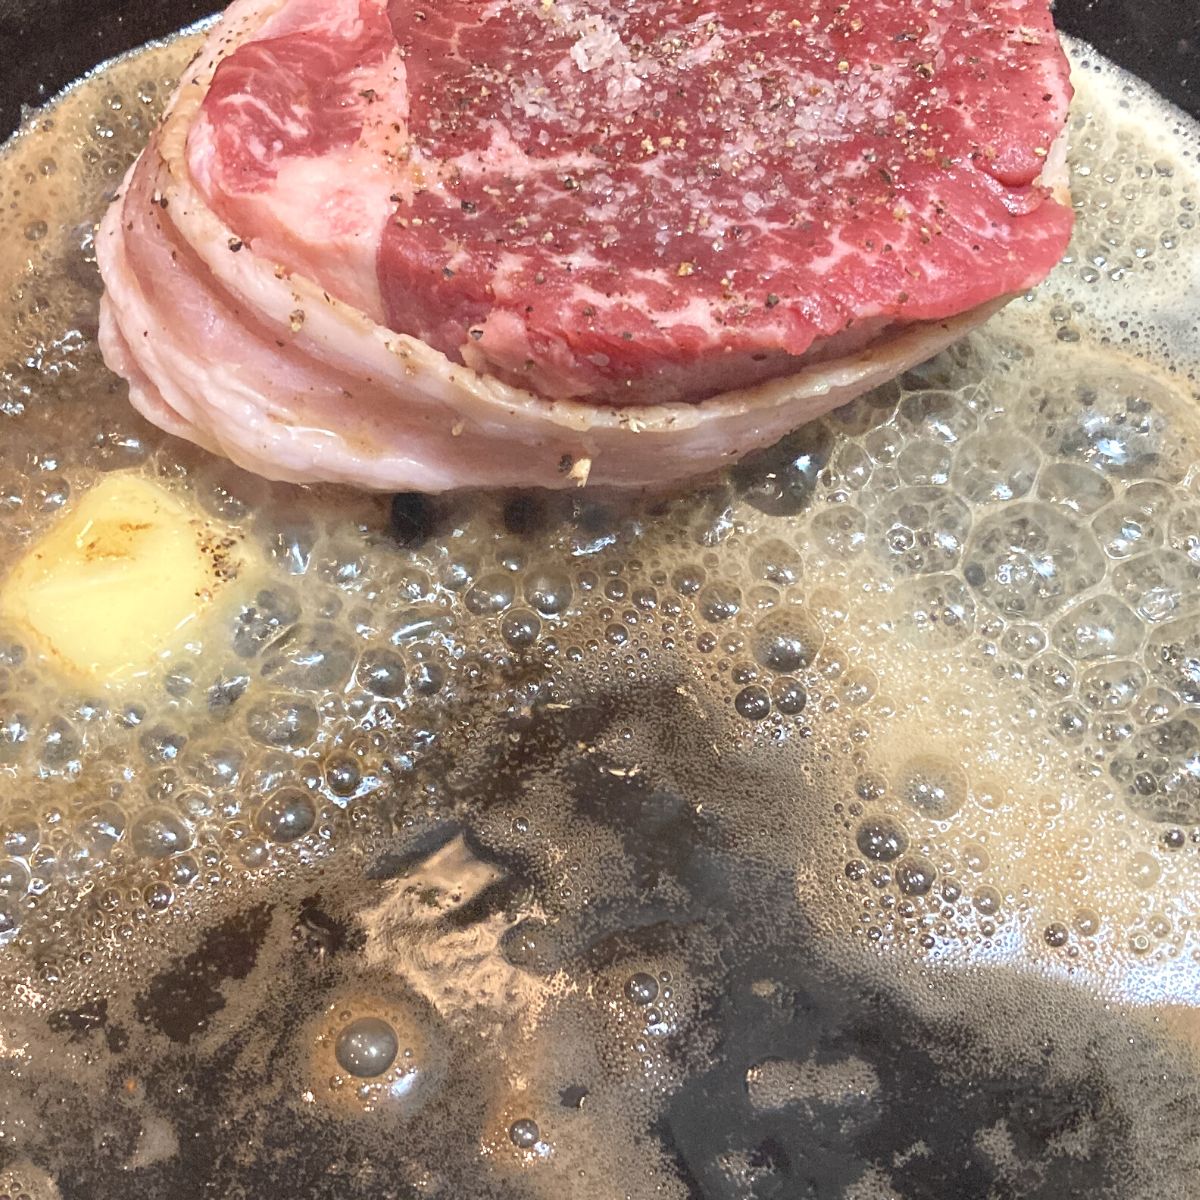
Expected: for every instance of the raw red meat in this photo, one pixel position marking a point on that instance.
(635, 207)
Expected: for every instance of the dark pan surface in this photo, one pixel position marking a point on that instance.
(1158, 40)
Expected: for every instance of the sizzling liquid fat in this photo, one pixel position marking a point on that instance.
(831, 831)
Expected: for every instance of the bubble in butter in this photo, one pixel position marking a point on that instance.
(115, 584)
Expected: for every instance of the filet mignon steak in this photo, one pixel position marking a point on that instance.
(412, 245)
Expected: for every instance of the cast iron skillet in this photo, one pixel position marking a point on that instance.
(44, 44)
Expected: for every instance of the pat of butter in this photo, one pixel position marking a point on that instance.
(119, 579)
